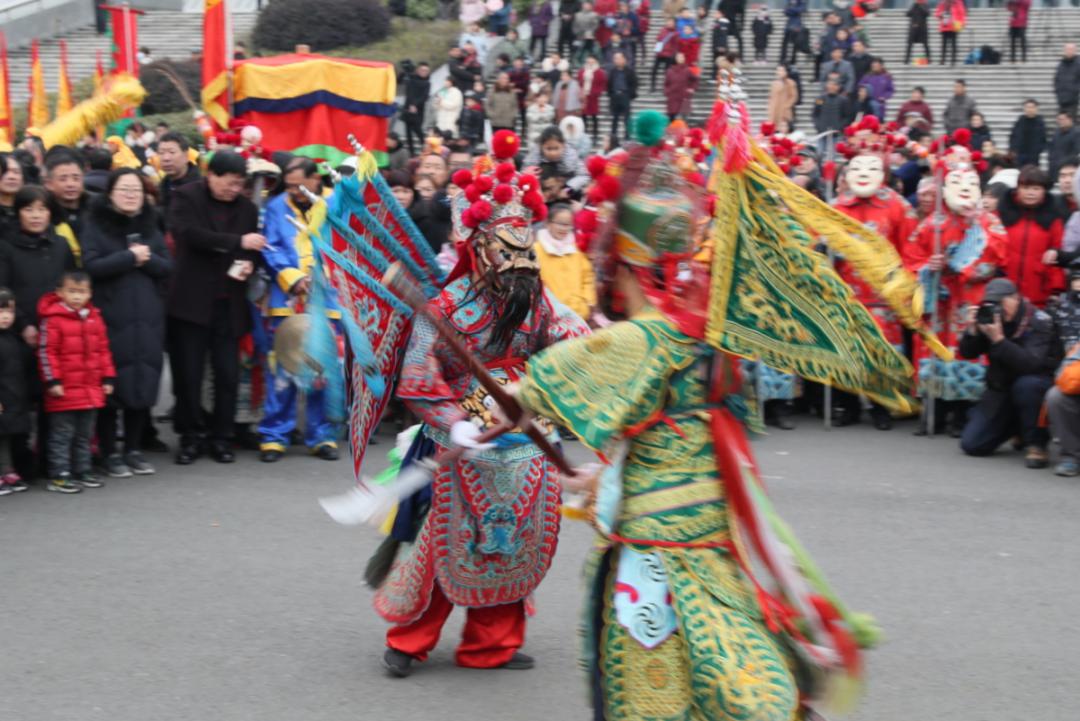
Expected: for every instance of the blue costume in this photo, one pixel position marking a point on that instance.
(289, 256)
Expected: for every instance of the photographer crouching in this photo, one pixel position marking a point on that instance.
(1063, 401)
(1022, 346)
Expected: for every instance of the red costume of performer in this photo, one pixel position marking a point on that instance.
(491, 531)
(881, 209)
(972, 252)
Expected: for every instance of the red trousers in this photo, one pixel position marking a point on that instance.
(490, 638)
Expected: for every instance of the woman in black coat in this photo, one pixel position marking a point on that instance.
(124, 252)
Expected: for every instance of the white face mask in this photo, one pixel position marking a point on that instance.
(865, 175)
(962, 192)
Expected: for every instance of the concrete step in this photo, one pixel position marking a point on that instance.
(1000, 90)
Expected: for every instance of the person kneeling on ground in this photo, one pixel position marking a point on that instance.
(1023, 348)
(1063, 401)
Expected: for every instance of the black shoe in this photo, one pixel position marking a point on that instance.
(780, 421)
(138, 465)
(272, 455)
(882, 419)
(519, 662)
(939, 429)
(222, 453)
(843, 419)
(89, 480)
(397, 663)
(327, 453)
(155, 445)
(956, 430)
(1036, 457)
(187, 455)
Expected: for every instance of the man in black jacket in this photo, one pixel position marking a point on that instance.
(68, 199)
(1023, 349)
(622, 89)
(918, 29)
(1065, 144)
(1027, 141)
(217, 244)
(417, 92)
(1067, 80)
(98, 166)
(463, 74)
(832, 111)
(177, 168)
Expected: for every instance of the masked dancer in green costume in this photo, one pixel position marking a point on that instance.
(700, 604)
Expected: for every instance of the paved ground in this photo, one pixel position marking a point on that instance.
(224, 593)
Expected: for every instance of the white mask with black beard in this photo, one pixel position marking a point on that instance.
(512, 274)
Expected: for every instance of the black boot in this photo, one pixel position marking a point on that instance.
(776, 415)
(397, 663)
(881, 417)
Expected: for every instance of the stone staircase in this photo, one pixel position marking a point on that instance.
(168, 34)
(999, 89)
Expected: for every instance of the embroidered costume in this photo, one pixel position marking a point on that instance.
(485, 531)
(678, 624)
(493, 526)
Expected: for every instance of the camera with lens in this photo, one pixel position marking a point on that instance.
(987, 312)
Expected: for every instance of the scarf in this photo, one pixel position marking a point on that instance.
(554, 246)
(587, 76)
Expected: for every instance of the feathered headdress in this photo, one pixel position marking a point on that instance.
(496, 196)
(868, 136)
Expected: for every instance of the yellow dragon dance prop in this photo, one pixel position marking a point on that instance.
(774, 297)
(122, 92)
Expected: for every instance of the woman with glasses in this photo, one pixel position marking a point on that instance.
(124, 252)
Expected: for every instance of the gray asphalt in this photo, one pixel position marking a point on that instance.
(224, 592)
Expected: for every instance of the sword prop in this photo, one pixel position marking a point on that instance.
(830, 153)
(930, 407)
(404, 287)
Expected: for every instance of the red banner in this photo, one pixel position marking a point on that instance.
(124, 26)
(217, 60)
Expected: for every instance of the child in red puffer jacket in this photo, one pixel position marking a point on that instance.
(77, 368)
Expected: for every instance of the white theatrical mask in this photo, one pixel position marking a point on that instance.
(865, 175)
(962, 191)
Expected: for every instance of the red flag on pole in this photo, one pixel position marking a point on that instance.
(124, 27)
(7, 121)
(217, 60)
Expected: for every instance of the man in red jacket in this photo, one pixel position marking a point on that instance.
(77, 369)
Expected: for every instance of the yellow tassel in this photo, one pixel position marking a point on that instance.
(366, 165)
(122, 93)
